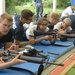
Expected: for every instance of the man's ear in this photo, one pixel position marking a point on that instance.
(23, 20)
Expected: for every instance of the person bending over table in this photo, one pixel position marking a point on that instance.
(41, 26)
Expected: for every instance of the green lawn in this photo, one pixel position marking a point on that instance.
(71, 72)
(46, 10)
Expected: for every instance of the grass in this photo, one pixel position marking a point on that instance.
(18, 9)
(71, 72)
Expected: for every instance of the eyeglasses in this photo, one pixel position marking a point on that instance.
(5, 25)
(56, 19)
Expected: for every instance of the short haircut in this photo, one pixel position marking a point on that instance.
(55, 15)
(6, 16)
(67, 20)
(26, 14)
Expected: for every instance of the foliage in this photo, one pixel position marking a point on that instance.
(10, 5)
(60, 3)
(63, 3)
(48, 3)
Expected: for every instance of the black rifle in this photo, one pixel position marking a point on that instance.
(68, 35)
(6, 56)
(9, 55)
(38, 33)
(53, 33)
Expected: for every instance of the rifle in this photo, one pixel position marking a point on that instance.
(70, 35)
(38, 33)
(54, 34)
(9, 55)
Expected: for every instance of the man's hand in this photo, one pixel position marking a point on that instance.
(18, 61)
(14, 47)
(32, 41)
(1, 60)
(50, 38)
(47, 37)
(62, 31)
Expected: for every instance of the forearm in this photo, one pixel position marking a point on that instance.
(24, 43)
(6, 65)
(38, 40)
(6, 49)
(7, 46)
(34, 41)
(2, 51)
(16, 42)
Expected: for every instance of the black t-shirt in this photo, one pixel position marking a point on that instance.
(6, 38)
(49, 26)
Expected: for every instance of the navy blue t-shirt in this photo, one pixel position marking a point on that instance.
(49, 26)
(72, 17)
(19, 30)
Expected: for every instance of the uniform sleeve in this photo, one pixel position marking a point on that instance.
(47, 29)
(31, 31)
(57, 26)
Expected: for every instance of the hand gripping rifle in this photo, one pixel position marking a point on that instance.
(70, 35)
(54, 34)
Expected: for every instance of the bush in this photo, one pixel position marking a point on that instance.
(63, 3)
(10, 5)
(48, 3)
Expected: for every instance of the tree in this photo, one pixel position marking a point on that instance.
(10, 5)
(63, 3)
